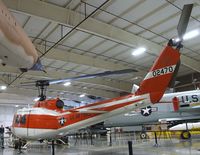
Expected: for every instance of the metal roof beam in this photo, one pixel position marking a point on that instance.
(81, 59)
(71, 18)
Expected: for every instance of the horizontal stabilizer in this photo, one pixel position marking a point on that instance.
(134, 88)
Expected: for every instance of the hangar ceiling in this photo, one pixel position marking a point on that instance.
(103, 42)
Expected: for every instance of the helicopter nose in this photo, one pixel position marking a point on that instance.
(37, 66)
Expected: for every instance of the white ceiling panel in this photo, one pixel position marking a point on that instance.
(196, 48)
(171, 34)
(105, 17)
(73, 4)
(184, 70)
(81, 68)
(140, 59)
(91, 42)
(192, 43)
(89, 9)
(148, 61)
(193, 55)
(147, 34)
(116, 51)
(35, 25)
(21, 18)
(94, 70)
(95, 3)
(47, 30)
(120, 6)
(159, 40)
(104, 47)
(57, 33)
(75, 38)
(158, 16)
(171, 23)
(135, 29)
(57, 64)
(180, 3)
(59, 3)
(64, 48)
(143, 9)
(46, 61)
(124, 55)
(71, 65)
(120, 23)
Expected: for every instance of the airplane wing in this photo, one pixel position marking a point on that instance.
(194, 107)
(180, 119)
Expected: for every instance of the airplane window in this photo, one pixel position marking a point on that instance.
(23, 119)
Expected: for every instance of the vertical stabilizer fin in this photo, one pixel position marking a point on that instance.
(160, 75)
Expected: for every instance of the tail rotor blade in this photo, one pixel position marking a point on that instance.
(184, 20)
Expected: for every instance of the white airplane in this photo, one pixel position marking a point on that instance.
(184, 126)
(165, 111)
(16, 49)
(185, 129)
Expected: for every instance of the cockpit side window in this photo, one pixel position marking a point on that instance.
(17, 119)
(23, 119)
(20, 119)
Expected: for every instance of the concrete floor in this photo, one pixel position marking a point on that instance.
(166, 147)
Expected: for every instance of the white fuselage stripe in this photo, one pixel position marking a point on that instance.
(108, 104)
(165, 70)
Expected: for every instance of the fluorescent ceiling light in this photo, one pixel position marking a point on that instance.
(3, 87)
(191, 34)
(82, 95)
(36, 99)
(67, 84)
(16, 106)
(139, 51)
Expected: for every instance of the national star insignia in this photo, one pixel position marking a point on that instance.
(146, 111)
(62, 121)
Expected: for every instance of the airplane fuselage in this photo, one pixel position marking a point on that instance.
(188, 110)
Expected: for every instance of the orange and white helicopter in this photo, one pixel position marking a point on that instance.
(47, 119)
(16, 49)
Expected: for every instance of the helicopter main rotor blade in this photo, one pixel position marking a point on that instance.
(88, 76)
(184, 20)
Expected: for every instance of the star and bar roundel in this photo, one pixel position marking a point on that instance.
(62, 121)
(146, 111)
